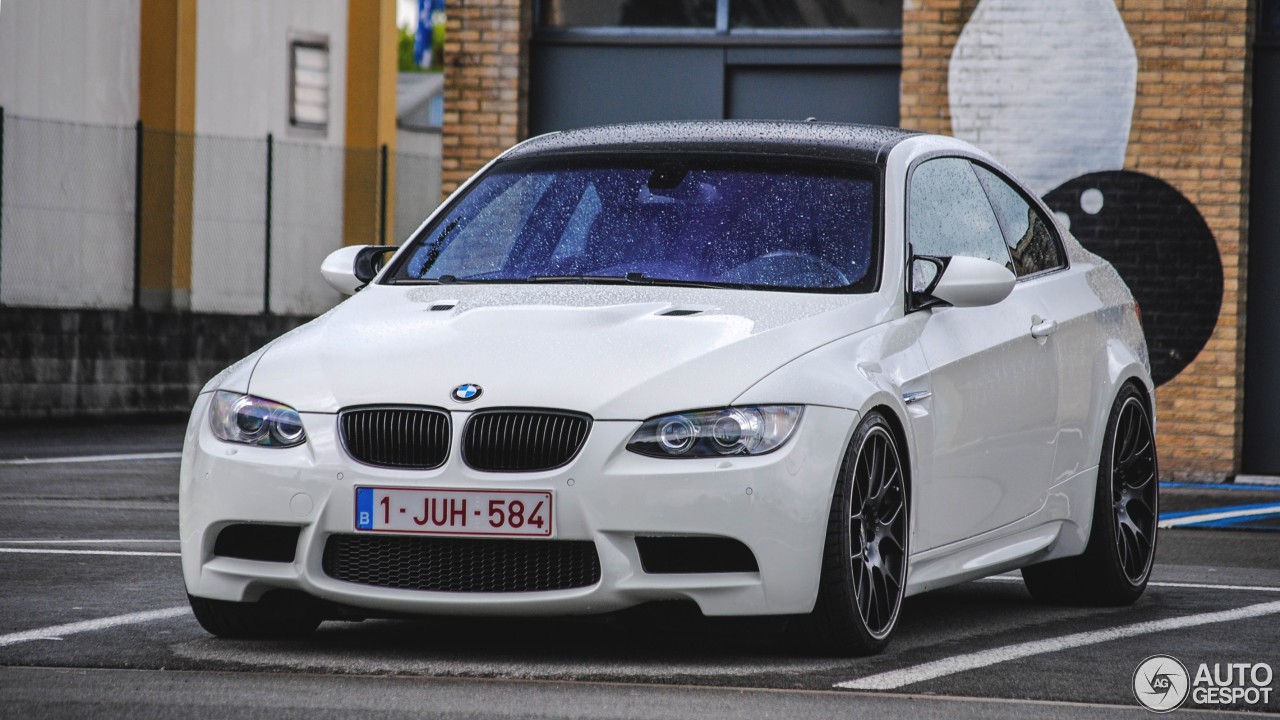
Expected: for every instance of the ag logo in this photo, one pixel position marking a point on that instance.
(466, 393)
(1161, 683)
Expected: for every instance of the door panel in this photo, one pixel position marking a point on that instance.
(1069, 321)
(993, 417)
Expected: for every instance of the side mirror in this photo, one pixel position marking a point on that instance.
(959, 280)
(350, 268)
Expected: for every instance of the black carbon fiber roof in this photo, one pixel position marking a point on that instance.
(818, 140)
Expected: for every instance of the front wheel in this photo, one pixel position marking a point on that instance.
(864, 563)
(1116, 563)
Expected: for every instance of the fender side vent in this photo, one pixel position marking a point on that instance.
(443, 307)
(679, 313)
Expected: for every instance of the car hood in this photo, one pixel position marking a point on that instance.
(609, 351)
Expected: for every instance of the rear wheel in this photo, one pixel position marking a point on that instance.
(1116, 564)
(864, 564)
(266, 619)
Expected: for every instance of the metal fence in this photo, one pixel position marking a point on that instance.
(261, 213)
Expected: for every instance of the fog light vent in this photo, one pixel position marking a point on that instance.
(269, 543)
(694, 554)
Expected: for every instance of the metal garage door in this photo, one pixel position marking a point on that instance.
(604, 61)
(1262, 343)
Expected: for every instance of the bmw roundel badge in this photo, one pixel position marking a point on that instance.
(467, 392)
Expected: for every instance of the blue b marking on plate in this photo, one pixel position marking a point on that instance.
(364, 508)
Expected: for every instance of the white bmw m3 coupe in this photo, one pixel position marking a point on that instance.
(800, 369)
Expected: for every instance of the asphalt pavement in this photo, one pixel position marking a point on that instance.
(94, 623)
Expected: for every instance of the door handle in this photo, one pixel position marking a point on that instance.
(1041, 328)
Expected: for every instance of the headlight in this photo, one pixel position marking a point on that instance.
(753, 430)
(251, 420)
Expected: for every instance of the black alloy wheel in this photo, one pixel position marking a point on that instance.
(878, 528)
(1134, 491)
(864, 563)
(1116, 563)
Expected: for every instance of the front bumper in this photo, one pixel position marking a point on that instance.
(775, 504)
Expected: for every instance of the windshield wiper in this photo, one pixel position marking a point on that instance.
(673, 282)
(442, 280)
(584, 279)
(633, 278)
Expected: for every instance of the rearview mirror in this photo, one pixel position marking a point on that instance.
(350, 268)
(959, 280)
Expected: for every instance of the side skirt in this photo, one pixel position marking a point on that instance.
(1060, 528)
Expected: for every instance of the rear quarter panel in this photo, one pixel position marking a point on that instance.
(1100, 346)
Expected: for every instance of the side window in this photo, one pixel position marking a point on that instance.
(951, 215)
(1032, 243)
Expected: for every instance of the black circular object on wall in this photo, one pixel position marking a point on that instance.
(1159, 243)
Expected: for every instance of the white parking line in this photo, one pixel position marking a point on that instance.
(1223, 515)
(1193, 586)
(51, 551)
(104, 541)
(1207, 586)
(57, 631)
(972, 661)
(93, 458)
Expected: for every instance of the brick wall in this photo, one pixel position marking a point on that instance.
(1187, 149)
(1190, 128)
(930, 29)
(111, 363)
(486, 71)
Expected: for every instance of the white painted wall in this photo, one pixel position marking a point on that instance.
(67, 233)
(417, 180)
(74, 60)
(66, 238)
(307, 225)
(69, 88)
(228, 228)
(242, 92)
(1047, 87)
(242, 69)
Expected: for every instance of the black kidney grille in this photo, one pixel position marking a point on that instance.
(523, 440)
(462, 564)
(405, 438)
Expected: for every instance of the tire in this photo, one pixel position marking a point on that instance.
(1116, 563)
(254, 620)
(864, 561)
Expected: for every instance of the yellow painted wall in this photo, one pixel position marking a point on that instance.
(370, 118)
(167, 108)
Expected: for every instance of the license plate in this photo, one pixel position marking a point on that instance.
(520, 513)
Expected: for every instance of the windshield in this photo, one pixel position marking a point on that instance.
(735, 222)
